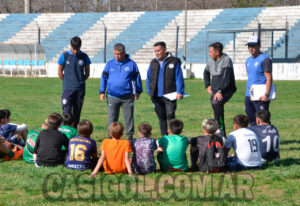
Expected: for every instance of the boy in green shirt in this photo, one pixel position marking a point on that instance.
(68, 127)
(30, 143)
(173, 157)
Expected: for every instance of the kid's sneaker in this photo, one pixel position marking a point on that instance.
(18, 153)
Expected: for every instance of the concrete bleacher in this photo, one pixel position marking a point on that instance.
(140, 30)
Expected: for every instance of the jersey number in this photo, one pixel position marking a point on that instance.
(275, 143)
(77, 152)
(253, 145)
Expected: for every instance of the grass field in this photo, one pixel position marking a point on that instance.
(31, 100)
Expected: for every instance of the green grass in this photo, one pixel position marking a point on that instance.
(31, 100)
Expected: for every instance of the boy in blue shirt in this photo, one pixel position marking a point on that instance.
(73, 70)
(82, 153)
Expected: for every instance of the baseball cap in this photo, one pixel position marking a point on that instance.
(253, 40)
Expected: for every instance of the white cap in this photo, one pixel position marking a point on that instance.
(253, 40)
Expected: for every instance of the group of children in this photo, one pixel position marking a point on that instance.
(57, 142)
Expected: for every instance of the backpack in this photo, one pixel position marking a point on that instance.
(215, 158)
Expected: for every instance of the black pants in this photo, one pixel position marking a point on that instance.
(218, 107)
(72, 101)
(165, 110)
(252, 107)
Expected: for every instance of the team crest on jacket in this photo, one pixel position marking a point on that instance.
(127, 69)
(80, 62)
(171, 66)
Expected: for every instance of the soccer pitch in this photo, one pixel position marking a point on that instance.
(30, 100)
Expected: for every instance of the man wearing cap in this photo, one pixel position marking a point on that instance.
(259, 70)
(164, 76)
(219, 82)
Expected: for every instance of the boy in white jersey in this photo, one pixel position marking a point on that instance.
(245, 145)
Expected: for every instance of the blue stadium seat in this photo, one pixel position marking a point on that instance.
(34, 62)
(41, 62)
(5, 62)
(12, 62)
(26, 62)
(20, 62)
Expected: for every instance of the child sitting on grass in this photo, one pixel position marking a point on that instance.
(173, 158)
(48, 146)
(143, 161)
(8, 151)
(114, 152)
(30, 142)
(13, 132)
(199, 145)
(82, 153)
(68, 126)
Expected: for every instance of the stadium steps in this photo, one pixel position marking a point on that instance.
(139, 33)
(47, 23)
(293, 44)
(93, 39)
(59, 38)
(228, 19)
(13, 23)
(197, 19)
(270, 17)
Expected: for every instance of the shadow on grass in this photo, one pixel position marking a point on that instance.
(290, 141)
(289, 161)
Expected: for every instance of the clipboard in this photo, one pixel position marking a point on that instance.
(258, 90)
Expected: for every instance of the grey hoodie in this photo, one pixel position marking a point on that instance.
(220, 75)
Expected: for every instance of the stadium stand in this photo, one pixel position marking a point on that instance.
(140, 30)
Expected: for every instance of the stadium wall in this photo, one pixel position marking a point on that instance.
(281, 71)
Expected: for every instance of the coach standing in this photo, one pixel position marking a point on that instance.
(123, 81)
(74, 70)
(219, 82)
(259, 70)
(164, 76)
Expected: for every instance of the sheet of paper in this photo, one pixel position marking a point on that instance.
(172, 96)
(258, 90)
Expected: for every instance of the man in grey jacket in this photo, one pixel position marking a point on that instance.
(219, 82)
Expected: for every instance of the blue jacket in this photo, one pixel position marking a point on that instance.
(179, 80)
(121, 78)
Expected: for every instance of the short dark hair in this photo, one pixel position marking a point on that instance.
(217, 46)
(119, 47)
(85, 128)
(54, 120)
(160, 43)
(145, 129)
(7, 113)
(76, 42)
(264, 115)
(176, 126)
(241, 120)
(116, 130)
(2, 115)
(67, 119)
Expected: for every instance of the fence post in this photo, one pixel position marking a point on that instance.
(286, 39)
(272, 43)
(234, 36)
(259, 31)
(105, 37)
(177, 33)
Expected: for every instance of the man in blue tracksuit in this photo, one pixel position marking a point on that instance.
(122, 79)
(259, 70)
(164, 76)
(73, 70)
